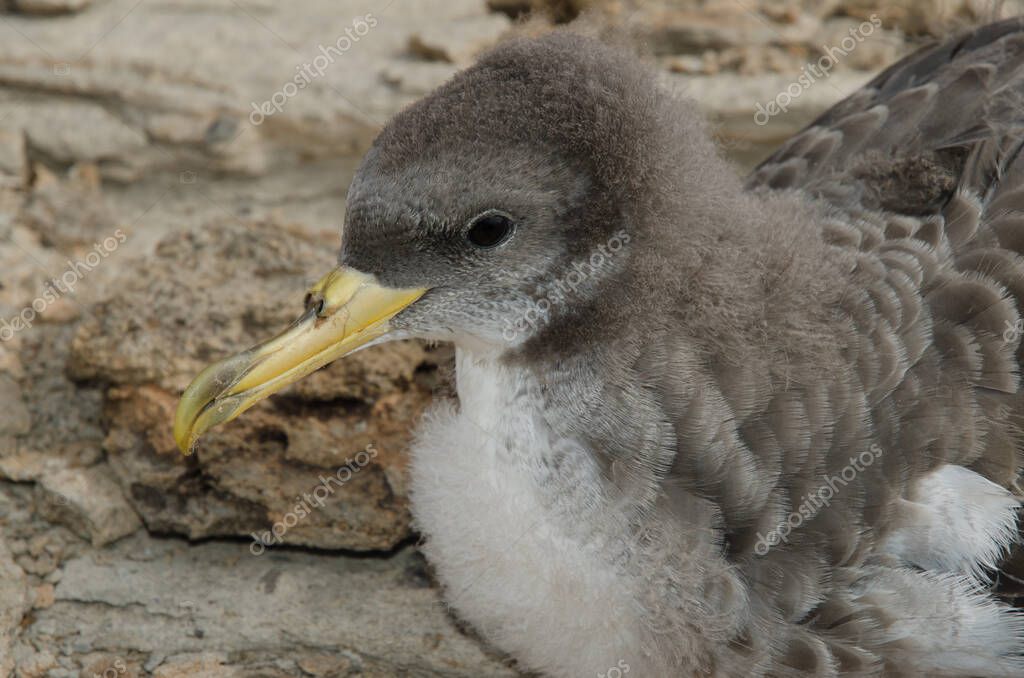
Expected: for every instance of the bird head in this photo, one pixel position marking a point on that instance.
(484, 214)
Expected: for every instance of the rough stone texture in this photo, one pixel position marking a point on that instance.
(214, 291)
(154, 97)
(669, 28)
(89, 502)
(162, 607)
(65, 426)
(70, 215)
(469, 32)
(13, 160)
(54, 131)
(933, 17)
(217, 610)
(14, 416)
(14, 602)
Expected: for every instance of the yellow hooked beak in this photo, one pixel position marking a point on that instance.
(347, 310)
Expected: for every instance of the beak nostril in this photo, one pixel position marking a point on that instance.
(315, 301)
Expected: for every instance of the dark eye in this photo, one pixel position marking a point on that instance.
(490, 230)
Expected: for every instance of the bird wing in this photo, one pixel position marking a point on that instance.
(946, 117)
(929, 151)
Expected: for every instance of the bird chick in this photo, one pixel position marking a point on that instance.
(704, 426)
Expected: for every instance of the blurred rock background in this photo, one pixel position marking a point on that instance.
(172, 175)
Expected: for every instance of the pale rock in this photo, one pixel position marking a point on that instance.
(14, 416)
(197, 606)
(88, 502)
(207, 665)
(14, 165)
(173, 78)
(40, 566)
(57, 130)
(417, 78)
(932, 17)
(60, 312)
(35, 665)
(21, 462)
(178, 128)
(9, 360)
(71, 214)
(15, 601)
(325, 665)
(459, 41)
(105, 665)
(42, 596)
(668, 28)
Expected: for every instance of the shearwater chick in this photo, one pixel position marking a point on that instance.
(704, 427)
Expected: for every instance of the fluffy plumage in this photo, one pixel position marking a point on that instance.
(636, 474)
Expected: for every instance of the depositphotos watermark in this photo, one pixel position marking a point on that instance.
(115, 670)
(56, 288)
(618, 671)
(814, 502)
(812, 71)
(305, 502)
(309, 72)
(1012, 332)
(564, 287)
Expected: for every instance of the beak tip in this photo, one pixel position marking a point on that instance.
(184, 432)
(185, 443)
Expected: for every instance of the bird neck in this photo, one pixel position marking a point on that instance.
(528, 436)
(531, 443)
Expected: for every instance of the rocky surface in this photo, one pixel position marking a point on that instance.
(162, 607)
(206, 293)
(89, 502)
(172, 178)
